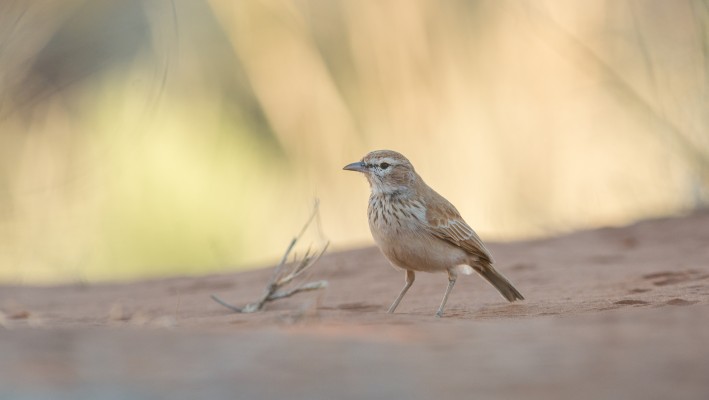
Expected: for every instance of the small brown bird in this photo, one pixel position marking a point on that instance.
(418, 230)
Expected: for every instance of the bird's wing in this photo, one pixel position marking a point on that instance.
(445, 222)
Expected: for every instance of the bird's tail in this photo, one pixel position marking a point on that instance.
(499, 282)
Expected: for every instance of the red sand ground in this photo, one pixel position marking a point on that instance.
(610, 313)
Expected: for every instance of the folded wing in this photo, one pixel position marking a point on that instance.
(445, 222)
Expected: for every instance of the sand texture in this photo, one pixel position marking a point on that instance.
(610, 313)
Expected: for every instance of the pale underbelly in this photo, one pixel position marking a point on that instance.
(421, 253)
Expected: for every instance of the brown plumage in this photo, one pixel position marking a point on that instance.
(419, 230)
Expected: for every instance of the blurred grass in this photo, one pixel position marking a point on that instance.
(159, 138)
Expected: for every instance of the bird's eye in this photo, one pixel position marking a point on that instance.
(384, 165)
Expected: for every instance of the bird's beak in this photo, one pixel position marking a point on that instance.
(356, 166)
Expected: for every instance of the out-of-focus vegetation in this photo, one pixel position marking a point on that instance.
(141, 138)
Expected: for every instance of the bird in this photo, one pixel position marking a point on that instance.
(418, 230)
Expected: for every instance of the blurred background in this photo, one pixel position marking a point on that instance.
(150, 138)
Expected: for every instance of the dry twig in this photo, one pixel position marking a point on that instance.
(284, 273)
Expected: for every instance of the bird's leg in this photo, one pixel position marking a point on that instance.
(410, 276)
(452, 276)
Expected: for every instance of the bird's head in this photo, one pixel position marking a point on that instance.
(387, 171)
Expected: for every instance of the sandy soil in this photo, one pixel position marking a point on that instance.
(610, 313)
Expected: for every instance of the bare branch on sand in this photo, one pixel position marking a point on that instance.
(286, 272)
